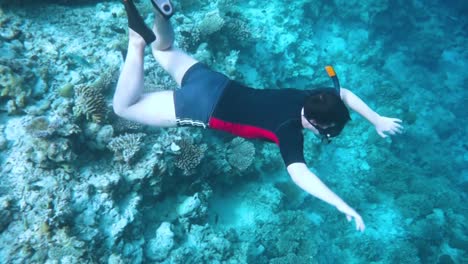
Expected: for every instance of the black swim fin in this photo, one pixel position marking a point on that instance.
(136, 22)
(164, 7)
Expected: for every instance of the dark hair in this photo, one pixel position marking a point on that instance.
(325, 106)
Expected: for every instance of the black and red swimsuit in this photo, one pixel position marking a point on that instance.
(210, 99)
(269, 114)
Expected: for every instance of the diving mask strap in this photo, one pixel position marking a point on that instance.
(332, 74)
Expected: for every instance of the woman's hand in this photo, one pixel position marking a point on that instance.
(350, 214)
(387, 125)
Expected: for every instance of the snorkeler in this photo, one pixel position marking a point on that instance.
(209, 99)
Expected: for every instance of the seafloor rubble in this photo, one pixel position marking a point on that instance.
(80, 185)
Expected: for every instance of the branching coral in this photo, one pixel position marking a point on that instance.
(123, 125)
(126, 146)
(190, 156)
(90, 102)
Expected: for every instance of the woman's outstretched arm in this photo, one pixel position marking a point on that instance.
(383, 125)
(309, 182)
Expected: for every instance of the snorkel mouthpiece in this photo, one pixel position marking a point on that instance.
(332, 74)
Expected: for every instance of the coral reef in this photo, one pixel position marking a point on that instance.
(190, 155)
(232, 159)
(45, 152)
(3, 142)
(12, 87)
(64, 200)
(158, 248)
(39, 127)
(5, 213)
(193, 209)
(41, 141)
(211, 23)
(90, 102)
(126, 146)
(240, 153)
(106, 79)
(121, 125)
(11, 84)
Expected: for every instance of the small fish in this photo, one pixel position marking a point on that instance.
(78, 60)
(117, 29)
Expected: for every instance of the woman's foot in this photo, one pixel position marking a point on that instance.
(135, 40)
(164, 7)
(137, 24)
(164, 32)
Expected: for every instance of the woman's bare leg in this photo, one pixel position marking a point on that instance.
(173, 60)
(129, 101)
(130, 85)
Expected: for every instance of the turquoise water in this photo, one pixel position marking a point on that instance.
(79, 185)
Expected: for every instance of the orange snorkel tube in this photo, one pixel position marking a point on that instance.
(332, 74)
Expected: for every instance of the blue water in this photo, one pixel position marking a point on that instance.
(67, 195)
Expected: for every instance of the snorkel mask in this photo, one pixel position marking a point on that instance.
(329, 131)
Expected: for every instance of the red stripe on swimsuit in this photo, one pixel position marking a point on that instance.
(245, 131)
(269, 114)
